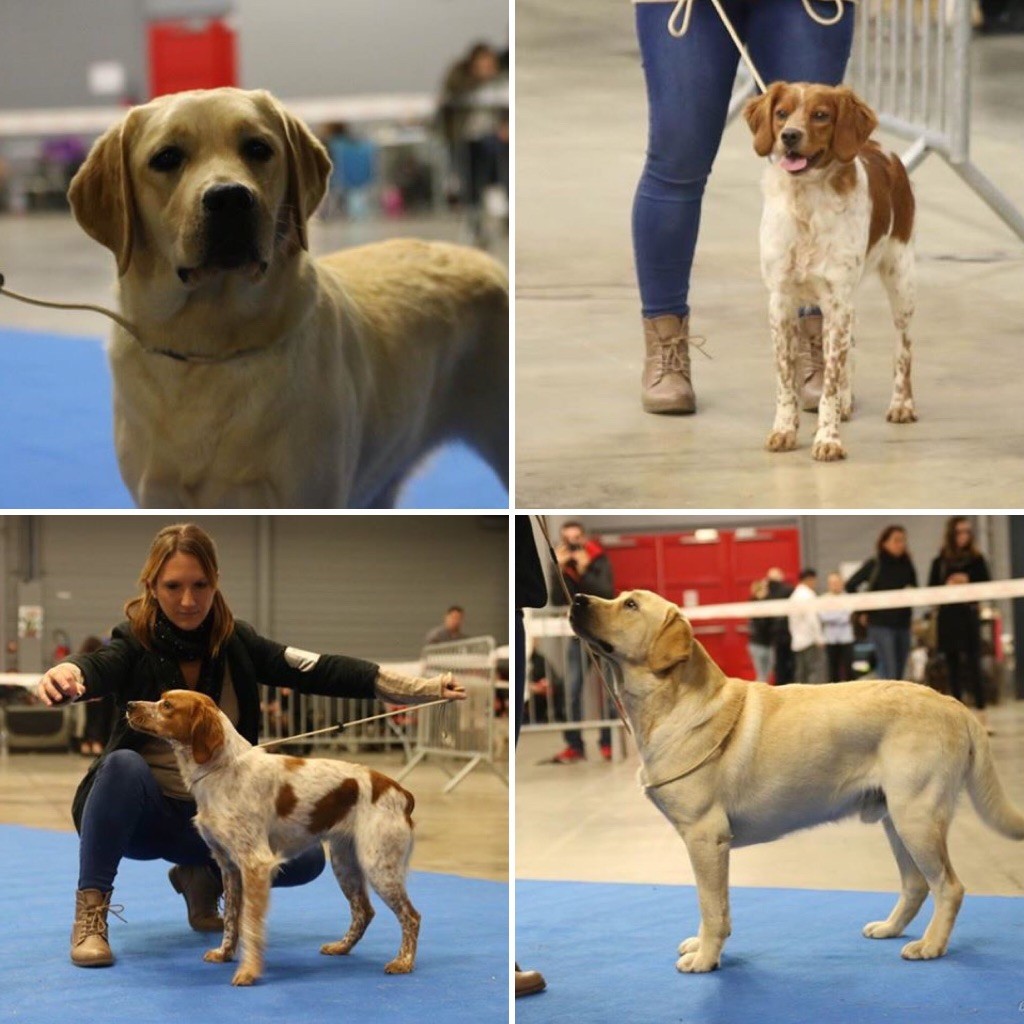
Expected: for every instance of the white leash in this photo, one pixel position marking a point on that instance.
(358, 721)
(684, 8)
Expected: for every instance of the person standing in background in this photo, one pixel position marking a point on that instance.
(586, 570)
(892, 568)
(450, 629)
(959, 625)
(837, 627)
(805, 629)
(778, 590)
(759, 635)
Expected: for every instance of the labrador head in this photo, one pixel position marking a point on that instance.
(807, 127)
(201, 184)
(638, 628)
(181, 716)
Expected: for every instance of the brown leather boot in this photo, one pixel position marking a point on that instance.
(666, 377)
(201, 887)
(89, 947)
(810, 362)
(529, 982)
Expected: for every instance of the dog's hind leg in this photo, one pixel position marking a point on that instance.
(922, 828)
(897, 273)
(353, 884)
(914, 891)
(707, 843)
(384, 855)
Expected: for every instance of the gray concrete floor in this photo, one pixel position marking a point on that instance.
(48, 256)
(463, 833)
(582, 439)
(591, 822)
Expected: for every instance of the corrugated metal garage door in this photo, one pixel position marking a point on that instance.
(373, 586)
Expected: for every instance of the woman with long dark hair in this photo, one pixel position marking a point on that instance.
(959, 625)
(891, 568)
(180, 634)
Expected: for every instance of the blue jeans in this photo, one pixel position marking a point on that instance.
(574, 698)
(127, 815)
(689, 82)
(892, 647)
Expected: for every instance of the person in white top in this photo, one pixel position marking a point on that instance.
(838, 629)
(807, 639)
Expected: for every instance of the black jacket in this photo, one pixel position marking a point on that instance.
(531, 583)
(883, 572)
(959, 625)
(128, 671)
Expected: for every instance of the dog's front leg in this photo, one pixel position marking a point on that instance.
(232, 879)
(255, 897)
(837, 328)
(782, 317)
(707, 843)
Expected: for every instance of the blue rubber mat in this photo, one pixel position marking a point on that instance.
(57, 448)
(461, 974)
(796, 956)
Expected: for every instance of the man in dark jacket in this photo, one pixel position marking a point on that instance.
(586, 570)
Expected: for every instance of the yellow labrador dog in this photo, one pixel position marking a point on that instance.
(261, 377)
(732, 763)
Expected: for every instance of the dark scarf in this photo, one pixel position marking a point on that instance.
(191, 645)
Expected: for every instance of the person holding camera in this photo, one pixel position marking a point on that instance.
(586, 570)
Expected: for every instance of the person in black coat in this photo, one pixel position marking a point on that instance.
(180, 634)
(959, 625)
(891, 568)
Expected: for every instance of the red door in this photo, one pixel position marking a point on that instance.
(190, 54)
(707, 566)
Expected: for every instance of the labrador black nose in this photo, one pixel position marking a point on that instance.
(131, 704)
(791, 137)
(228, 199)
(580, 601)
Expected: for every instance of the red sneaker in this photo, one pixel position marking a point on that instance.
(569, 756)
(606, 751)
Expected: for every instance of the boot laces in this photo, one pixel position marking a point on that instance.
(94, 923)
(674, 355)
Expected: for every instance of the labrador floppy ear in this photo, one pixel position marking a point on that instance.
(855, 121)
(309, 167)
(207, 733)
(672, 645)
(101, 194)
(758, 113)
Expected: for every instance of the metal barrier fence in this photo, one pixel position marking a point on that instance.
(465, 730)
(911, 62)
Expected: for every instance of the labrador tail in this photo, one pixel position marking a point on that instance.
(987, 795)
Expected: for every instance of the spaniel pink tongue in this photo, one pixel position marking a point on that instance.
(792, 163)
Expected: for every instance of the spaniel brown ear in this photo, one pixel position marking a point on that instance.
(759, 112)
(855, 121)
(101, 194)
(309, 167)
(672, 645)
(207, 733)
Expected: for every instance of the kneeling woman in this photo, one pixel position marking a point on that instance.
(133, 803)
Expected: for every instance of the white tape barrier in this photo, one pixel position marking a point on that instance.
(27, 680)
(911, 597)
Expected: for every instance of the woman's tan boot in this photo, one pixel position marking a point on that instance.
(201, 887)
(89, 947)
(665, 383)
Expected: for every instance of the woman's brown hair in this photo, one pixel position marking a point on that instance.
(884, 536)
(950, 549)
(188, 539)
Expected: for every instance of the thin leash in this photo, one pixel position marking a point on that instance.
(204, 358)
(358, 721)
(587, 645)
(684, 9)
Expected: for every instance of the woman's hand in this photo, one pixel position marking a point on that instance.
(451, 689)
(61, 685)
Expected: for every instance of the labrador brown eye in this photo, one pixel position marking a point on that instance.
(256, 149)
(170, 158)
(630, 604)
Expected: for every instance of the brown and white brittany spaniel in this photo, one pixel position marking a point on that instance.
(836, 206)
(257, 810)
